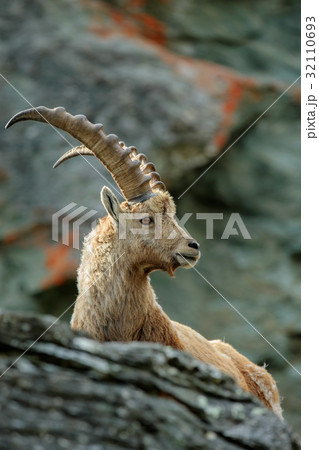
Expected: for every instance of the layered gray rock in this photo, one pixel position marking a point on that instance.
(68, 391)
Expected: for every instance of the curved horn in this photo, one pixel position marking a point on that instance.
(134, 184)
(75, 151)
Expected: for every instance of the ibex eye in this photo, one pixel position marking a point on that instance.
(146, 220)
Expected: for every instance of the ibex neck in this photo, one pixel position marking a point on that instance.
(118, 304)
(126, 303)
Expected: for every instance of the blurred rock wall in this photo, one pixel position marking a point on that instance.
(182, 81)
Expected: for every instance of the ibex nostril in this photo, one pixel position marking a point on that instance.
(194, 245)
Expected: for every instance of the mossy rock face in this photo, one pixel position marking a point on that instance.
(68, 391)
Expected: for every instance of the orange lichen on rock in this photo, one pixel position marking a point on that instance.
(10, 238)
(231, 105)
(151, 28)
(223, 84)
(60, 262)
(129, 21)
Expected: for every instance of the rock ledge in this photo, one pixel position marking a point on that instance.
(69, 391)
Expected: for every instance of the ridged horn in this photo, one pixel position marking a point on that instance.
(134, 184)
(148, 168)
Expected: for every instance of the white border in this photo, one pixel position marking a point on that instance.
(310, 242)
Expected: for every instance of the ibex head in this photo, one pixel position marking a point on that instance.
(152, 237)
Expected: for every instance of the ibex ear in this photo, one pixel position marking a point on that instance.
(110, 203)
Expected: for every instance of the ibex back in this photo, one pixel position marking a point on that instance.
(116, 301)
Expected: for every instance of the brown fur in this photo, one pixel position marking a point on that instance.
(117, 303)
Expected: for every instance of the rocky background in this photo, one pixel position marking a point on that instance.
(181, 80)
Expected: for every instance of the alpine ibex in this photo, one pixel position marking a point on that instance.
(116, 301)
